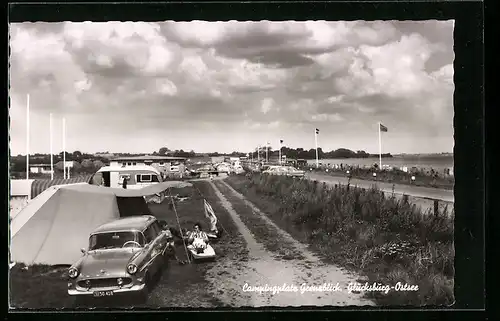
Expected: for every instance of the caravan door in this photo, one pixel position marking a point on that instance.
(114, 178)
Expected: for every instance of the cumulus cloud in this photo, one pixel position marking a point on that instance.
(245, 82)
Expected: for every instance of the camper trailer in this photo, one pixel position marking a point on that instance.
(137, 176)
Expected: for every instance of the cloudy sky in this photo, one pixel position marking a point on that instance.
(208, 86)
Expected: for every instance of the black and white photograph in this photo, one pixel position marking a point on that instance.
(235, 164)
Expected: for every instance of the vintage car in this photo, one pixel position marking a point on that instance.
(123, 257)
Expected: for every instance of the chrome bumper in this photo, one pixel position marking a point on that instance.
(133, 289)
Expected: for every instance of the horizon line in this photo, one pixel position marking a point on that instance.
(224, 153)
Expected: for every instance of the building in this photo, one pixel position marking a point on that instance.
(68, 165)
(40, 169)
(167, 165)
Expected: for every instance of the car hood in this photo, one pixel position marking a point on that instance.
(106, 262)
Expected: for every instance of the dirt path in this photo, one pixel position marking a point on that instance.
(305, 282)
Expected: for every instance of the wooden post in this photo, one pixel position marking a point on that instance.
(436, 208)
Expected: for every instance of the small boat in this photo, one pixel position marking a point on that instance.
(198, 254)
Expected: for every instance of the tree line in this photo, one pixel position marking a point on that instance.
(82, 162)
(300, 153)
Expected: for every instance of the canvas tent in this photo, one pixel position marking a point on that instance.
(57, 223)
(40, 185)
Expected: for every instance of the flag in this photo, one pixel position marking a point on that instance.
(317, 131)
(383, 128)
(210, 214)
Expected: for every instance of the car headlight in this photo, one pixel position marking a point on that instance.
(131, 268)
(73, 272)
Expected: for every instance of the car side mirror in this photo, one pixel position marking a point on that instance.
(84, 251)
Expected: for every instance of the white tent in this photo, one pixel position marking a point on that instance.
(57, 223)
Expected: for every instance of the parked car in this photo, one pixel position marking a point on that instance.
(292, 171)
(123, 256)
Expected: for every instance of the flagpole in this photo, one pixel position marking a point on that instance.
(27, 136)
(51, 152)
(379, 146)
(64, 148)
(279, 162)
(258, 153)
(316, 141)
(267, 153)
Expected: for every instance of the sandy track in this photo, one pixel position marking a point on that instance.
(228, 278)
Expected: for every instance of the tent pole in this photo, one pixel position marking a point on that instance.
(179, 224)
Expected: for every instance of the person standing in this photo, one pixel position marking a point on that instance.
(124, 184)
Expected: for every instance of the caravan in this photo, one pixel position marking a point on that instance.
(137, 176)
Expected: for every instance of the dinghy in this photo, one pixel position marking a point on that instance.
(201, 253)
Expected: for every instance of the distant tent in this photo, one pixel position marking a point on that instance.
(53, 227)
(40, 185)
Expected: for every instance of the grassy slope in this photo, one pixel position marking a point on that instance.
(385, 239)
(44, 286)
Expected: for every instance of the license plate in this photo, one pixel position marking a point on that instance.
(103, 293)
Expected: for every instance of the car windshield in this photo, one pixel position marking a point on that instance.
(116, 240)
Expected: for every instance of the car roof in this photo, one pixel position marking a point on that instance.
(131, 223)
(132, 168)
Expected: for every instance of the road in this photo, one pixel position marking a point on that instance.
(415, 191)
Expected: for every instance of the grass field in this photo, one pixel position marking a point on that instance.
(387, 240)
(45, 287)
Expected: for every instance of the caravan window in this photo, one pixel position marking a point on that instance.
(155, 179)
(143, 178)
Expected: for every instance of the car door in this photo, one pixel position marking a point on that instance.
(162, 240)
(158, 245)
